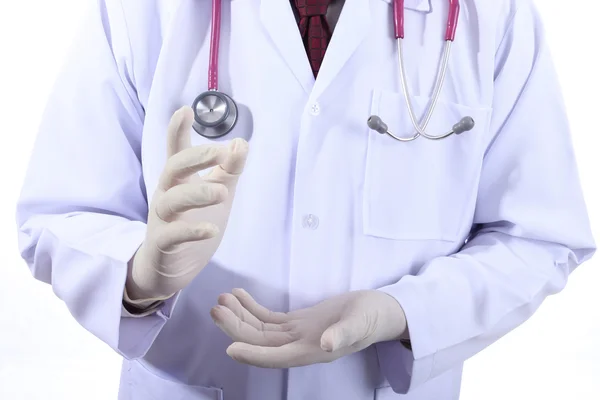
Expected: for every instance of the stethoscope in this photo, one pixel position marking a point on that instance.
(215, 113)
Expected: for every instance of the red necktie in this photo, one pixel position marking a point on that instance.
(314, 30)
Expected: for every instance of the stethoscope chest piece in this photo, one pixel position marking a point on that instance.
(215, 114)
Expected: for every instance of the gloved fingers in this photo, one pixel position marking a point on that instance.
(260, 312)
(178, 131)
(296, 354)
(236, 157)
(231, 302)
(188, 196)
(176, 233)
(286, 356)
(241, 331)
(189, 161)
(233, 165)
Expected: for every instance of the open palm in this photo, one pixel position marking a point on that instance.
(323, 333)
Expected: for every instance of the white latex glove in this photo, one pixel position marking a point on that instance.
(188, 213)
(331, 329)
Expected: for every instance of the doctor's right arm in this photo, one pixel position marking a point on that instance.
(82, 208)
(83, 217)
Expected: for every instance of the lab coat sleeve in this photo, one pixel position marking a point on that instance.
(532, 228)
(82, 210)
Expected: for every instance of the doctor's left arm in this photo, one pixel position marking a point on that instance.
(532, 228)
(82, 210)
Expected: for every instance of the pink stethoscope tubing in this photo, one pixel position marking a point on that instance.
(215, 39)
(453, 11)
(215, 113)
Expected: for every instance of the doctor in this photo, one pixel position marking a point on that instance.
(303, 255)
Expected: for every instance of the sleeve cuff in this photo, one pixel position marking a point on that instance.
(138, 332)
(407, 366)
(140, 308)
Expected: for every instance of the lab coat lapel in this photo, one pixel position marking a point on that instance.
(352, 27)
(278, 19)
(350, 30)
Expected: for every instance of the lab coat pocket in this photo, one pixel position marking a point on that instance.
(421, 190)
(142, 384)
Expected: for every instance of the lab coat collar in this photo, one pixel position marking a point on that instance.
(279, 21)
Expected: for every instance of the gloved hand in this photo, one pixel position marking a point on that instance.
(188, 212)
(331, 329)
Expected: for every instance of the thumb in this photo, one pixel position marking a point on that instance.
(346, 332)
(178, 132)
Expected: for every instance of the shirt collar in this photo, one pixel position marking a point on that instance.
(415, 5)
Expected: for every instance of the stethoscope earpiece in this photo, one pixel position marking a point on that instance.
(464, 125)
(377, 124)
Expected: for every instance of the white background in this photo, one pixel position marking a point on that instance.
(45, 354)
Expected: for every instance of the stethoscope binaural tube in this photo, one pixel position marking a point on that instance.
(466, 123)
(215, 113)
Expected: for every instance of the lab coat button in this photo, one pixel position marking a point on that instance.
(315, 109)
(310, 222)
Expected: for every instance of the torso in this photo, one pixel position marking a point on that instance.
(324, 205)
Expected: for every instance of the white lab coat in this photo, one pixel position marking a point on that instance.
(325, 205)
